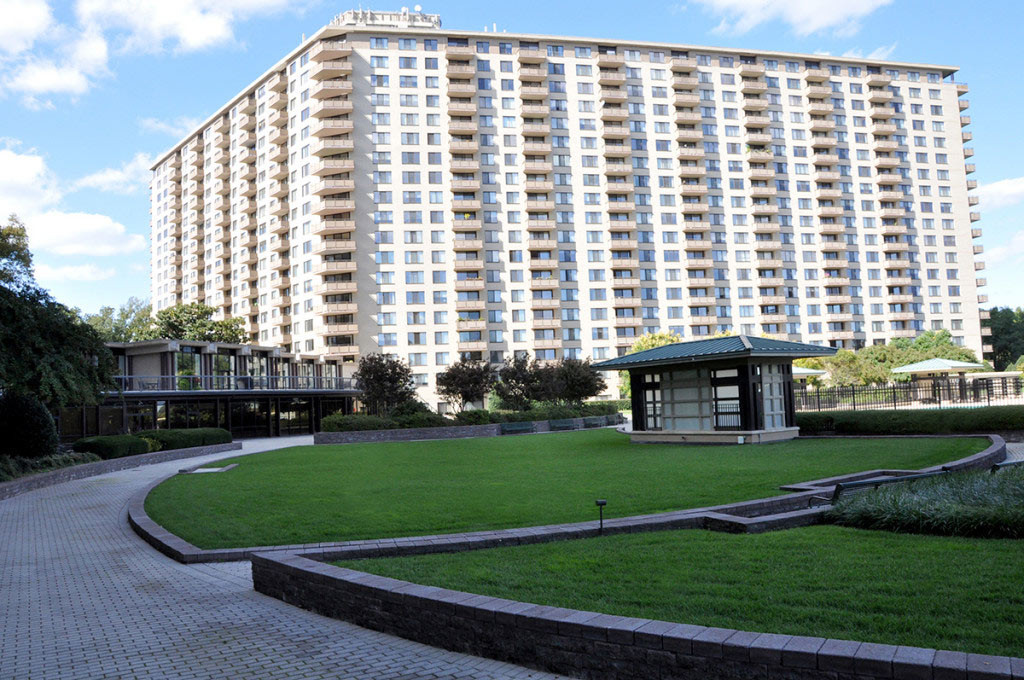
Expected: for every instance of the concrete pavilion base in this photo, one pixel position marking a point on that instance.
(706, 437)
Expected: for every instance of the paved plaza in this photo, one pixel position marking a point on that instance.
(82, 596)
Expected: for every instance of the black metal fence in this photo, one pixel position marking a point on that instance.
(192, 383)
(942, 393)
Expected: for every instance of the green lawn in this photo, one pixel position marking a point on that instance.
(926, 591)
(331, 493)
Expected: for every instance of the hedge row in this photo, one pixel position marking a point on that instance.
(120, 445)
(986, 419)
(361, 422)
(12, 467)
(975, 504)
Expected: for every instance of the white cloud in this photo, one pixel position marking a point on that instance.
(49, 58)
(179, 127)
(878, 53)
(75, 233)
(30, 189)
(803, 16)
(26, 184)
(1002, 194)
(80, 272)
(1012, 250)
(24, 22)
(186, 25)
(124, 180)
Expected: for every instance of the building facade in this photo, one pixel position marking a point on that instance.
(393, 187)
(250, 391)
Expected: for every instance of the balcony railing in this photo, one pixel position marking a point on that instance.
(225, 383)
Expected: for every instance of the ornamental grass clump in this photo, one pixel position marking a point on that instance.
(973, 504)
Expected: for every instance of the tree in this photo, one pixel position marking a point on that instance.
(578, 381)
(1007, 336)
(131, 322)
(195, 322)
(645, 342)
(873, 365)
(48, 351)
(385, 383)
(15, 257)
(516, 383)
(465, 382)
(570, 381)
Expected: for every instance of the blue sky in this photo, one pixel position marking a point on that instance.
(92, 90)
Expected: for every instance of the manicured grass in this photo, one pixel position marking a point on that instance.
(961, 504)
(926, 591)
(331, 493)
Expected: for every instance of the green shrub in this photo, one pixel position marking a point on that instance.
(475, 417)
(12, 468)
(153, 444)
(187, 438)
(411, 407)
(112, 446)
(974, 504)
(932, 421)
(27, 426)
(426, 419)
(599, 408)
(355, 423)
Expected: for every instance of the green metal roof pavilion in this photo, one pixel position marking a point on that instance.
(938, 366)
(730, 347)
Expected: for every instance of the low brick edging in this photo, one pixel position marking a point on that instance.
(447, 432)
(594, 645)
(754, 516)
(102, 467)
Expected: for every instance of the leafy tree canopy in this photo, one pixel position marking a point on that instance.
(195, 322)
(385, 382)
(515, 387)
(1007, 336)
(15, 257)
(465, 382)
(872, 365)
(129, 323)
(47, 351)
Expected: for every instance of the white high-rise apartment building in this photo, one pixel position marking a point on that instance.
(389, 186)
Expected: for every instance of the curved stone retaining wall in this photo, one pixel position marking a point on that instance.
(102, 467)
(593, 645)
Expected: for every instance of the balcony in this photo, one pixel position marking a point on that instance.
(611, 77)
(335, 246)
(277, 100)
(686, 99)
(751, 70)
(334, 87)
(335, 287)
(332, 206)
(330, 50)
(460, 87)
(332, 127)
(614, 131)
(331, 146)
(330, 70)
(753, 86)
(532, 73)
(688, 135)
(686, 153)
(755, 104)
(469, 284)
(684, 64)
(330, 227)
(325, 108)
(879, 96)
(334, 267)
(328, 187)
(688, 118)
(605, 60)
(689, 171)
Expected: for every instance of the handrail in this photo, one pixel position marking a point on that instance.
(243, 383)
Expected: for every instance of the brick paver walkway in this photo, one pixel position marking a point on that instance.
(82, 597)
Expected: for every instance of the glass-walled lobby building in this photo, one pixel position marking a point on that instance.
(735, 389)
(250, 391)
